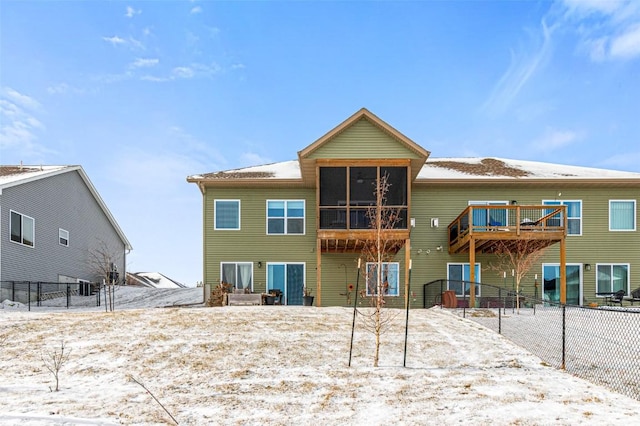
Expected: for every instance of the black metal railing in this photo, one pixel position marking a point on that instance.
(49, 294)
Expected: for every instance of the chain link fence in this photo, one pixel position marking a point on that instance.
(599, 344)
(49, 294)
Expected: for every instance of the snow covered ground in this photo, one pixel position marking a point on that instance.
(277, 365)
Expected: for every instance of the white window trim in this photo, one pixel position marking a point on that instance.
(612, 264)
(580, 273)
(215, 214)
(60, 237)
(366, 278)
(286, 230)
(284, 293)
(634, 215)
(478, 279)
(562, 203)
(236, 263)
(22, 231)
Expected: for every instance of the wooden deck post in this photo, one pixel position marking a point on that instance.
(318, 272)
(472, 272)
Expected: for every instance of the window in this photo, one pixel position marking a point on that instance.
(622, 215)
(63, 237)
(238, 274)
(459, 274)
(551, 283)
(612, 277)
(574, 215)
(388, 280)
(289, 279)
(489, 217)
(348, 193)
(227, 214)
(285, 217)
(22, 229)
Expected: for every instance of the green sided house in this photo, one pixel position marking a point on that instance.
(303, 224)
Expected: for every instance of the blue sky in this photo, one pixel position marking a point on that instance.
(143, 94)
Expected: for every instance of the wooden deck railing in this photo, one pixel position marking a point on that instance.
(507, 221)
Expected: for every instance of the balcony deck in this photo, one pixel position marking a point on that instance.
(498, 225)
(353, 241)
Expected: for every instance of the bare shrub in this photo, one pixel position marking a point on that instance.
(54, 360)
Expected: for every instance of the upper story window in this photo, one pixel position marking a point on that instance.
(226, 214)
(285, 216)
(574, 215)
(388, 280)
(63, 237)
(489, 217)
(348, 193)
(622, 215)
(22, 228)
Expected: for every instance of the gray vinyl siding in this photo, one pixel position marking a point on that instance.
(60, 201)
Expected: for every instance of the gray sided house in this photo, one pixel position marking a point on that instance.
(303, 223)
(55, 227)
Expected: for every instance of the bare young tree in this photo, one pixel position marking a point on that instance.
(377, 253)
(517, 258)
(103, 261)
(54, 360)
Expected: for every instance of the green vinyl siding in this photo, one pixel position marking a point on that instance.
(596, 244)
(365, 141)
(251, 243)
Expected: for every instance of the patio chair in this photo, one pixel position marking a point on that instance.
(635, 296)
(617, 297)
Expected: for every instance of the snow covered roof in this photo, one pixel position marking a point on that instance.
(14, 175)
(441, 169)
(501, 168)
(153, 279)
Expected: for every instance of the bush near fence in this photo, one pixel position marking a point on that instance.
(599, 344)
(47, 294)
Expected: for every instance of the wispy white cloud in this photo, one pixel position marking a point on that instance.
(131, 12)
(65, 88)
(196, 9)
(523, 67)
(622, 161)
(132, 43)
(144, 63)
(194, 70)
(253, 159)
(627, 45)
(19, 125)
(554, 139)
(608, 30)
(115, 40)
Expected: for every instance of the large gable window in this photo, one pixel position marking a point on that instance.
(285, 216)
(347, 193)
(622, 215)
(22, 229)
(226, 214)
